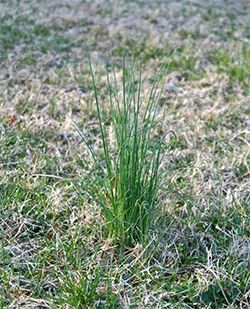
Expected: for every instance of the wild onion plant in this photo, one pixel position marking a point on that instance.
(126, 175)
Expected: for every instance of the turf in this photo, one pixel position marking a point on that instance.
(54, 252)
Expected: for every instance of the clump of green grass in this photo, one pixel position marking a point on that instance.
(126, 175)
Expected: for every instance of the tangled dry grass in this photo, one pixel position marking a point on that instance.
(53, 253)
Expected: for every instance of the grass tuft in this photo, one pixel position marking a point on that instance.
(126, 175)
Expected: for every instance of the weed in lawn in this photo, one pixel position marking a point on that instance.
(126, 185)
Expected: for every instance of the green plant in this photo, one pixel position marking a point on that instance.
(125, 184)
(84, 291)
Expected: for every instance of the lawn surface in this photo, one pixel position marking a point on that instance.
(53, 252)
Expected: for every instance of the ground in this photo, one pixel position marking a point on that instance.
(53, 253)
